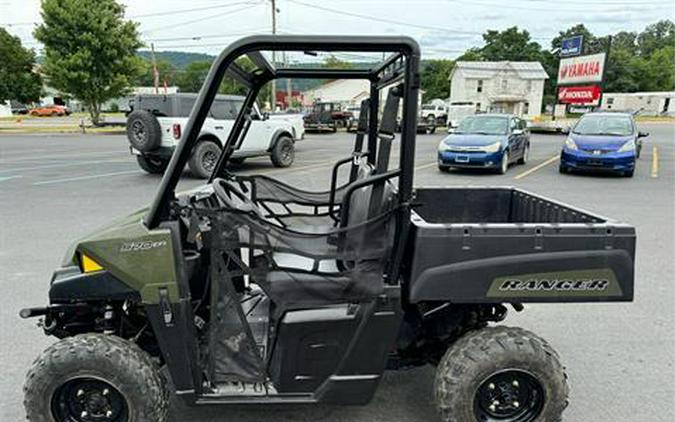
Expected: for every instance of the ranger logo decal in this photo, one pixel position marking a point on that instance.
(560, 284)
(142, 245)
(576, 283)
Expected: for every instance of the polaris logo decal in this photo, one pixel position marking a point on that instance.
(142, 245)
(600, 282)
(554, 285)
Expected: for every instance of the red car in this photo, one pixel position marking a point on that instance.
(50, 110)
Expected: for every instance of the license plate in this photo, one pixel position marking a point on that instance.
(462, 158)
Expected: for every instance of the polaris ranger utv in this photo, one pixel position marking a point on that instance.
(253, 291)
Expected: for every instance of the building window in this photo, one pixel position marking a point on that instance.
(610, 100)
(479, 86)
(505, 83)
(477, 107)
(526, 108)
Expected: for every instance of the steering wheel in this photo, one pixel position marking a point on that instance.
(232, 197)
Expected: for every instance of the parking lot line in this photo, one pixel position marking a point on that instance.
(92, 176)
(537, 167)
(68, 155)
(2, 179)
(424, 166)
(76, 163)
(655, 162)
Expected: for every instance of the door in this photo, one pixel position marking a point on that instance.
(514, 139)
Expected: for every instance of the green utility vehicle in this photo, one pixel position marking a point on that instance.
(253, 291)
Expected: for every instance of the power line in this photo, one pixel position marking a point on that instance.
(202, 19)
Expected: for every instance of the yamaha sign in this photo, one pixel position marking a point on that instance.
(581, 69)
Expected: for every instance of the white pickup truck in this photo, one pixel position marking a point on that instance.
(153, 135)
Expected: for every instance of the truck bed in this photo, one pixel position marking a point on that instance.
(481, 245)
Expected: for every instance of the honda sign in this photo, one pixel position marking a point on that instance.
(589, 95)
(581, 69)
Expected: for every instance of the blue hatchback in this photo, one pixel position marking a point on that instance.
(489, 141)
(602, 141)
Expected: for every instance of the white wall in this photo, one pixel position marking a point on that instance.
(652, 103)
(5, 109)
(341, 91)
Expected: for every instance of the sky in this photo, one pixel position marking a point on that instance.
(444, 28)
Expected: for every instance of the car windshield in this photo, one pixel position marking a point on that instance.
(604, 125)
(484, 125)
(428, 107)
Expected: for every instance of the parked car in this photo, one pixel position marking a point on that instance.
(18, 108)
(490, 141)
(153, 138)
(328, 116)
(434, 113)
(50, 110)
(603, 141)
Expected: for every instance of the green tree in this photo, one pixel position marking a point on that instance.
(18, 81)
(90, 50)
(192, 77)
(656, 36)
(510, 44)
(332, 62)
(435, 73)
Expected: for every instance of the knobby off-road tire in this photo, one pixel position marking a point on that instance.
(490, 360)
(143, 131)
(283, 153)
(104, 367)
(204, 159)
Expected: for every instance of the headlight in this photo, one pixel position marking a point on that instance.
(628, 146)
(493, 147)
(570, 144)
(442, 147)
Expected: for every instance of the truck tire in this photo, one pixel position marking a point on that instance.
(283, 152)
(152, 165)
(143, 131)
(204, 158)
(500, 373)
(95, 377)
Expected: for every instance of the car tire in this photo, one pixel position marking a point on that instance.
(283, 152)
(504, 164)
(500, 373)
(563, 169)
(526, 155)
(143, 131)
(111, 374)
(628, 173)
(152, 165)
(444, 169)
(204, 159)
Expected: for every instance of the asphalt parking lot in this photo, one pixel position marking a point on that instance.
(619, 357)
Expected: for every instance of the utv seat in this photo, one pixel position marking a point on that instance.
(268, 189)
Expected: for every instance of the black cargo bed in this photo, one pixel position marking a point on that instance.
(478, 245)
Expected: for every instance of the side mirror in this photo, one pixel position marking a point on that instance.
(643, 134)
(265, 116)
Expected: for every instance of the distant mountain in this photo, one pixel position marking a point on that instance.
(180, 59)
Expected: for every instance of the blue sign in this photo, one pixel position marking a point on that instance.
(572, 46)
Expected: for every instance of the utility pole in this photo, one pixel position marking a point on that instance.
(273, 102)
(155, 72)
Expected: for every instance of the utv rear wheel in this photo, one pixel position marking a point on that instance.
(500, 374)
(204, 159)
(151, 165)
(95, 377)
(283, 153)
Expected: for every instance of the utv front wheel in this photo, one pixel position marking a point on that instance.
(500, 374)
(95, 377)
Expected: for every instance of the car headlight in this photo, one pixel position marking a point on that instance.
(628, 146)
(570, 144)
(493, 147)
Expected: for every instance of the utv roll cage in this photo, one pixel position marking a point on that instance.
(401, 66)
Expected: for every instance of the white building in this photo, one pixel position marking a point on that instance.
(344, 91)
(651, 103)
(499, 87)
(5, 109)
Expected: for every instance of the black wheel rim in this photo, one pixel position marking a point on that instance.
(89, 400)
(209, 160)
(138, 131)
(512, 395)
(287, 153)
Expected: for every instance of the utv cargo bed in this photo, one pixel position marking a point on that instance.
(480, 245)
